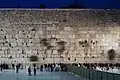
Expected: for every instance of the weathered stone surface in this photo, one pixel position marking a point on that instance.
(88, 35)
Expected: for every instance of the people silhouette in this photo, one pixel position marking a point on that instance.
(13, 66)
(41, 68)
(17, 68)
(29, 71)
(1, 67)
(34, 70)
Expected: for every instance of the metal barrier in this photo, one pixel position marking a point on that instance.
(93, 74)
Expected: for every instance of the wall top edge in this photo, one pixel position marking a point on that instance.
(52, 9)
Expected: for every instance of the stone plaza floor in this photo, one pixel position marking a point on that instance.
(23, 75)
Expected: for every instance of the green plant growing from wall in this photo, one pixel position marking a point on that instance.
(49, 47)
(111, 54)
(61, 45)
(34, 58)
(44, 43)
(47, 44)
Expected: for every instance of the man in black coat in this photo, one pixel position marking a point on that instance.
(34, 70)
(17, 68)
(1, 67)
(41, 68)
(29, 71)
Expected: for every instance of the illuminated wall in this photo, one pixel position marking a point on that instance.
(59, 35)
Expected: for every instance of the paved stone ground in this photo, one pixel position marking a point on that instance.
(22, 75)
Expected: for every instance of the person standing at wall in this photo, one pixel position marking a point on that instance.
(41, 68)
(34, 70)
(51, 66)
(29, 71)
(45, 66)
(17, 68)
(13, 66)
(1, 67)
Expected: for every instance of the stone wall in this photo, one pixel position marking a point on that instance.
(59, 35)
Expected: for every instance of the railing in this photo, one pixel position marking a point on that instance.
(90, 74)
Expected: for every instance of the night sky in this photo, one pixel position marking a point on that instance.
(59, 3)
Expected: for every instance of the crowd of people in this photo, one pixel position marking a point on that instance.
(13, 67)
(45, 67)
(106, 67)
(35, 68)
